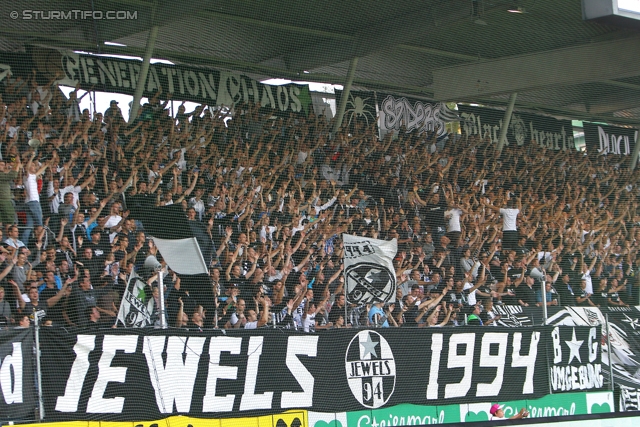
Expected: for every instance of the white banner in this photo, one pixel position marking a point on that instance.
(369, 274)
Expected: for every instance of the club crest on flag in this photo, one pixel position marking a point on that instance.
(136, 308)
(368, 282)
(368, 269)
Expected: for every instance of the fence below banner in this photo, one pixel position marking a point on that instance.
(570, 404)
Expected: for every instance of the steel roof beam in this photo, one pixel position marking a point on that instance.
(589, 63)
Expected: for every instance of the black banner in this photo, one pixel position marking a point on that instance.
(150, 374)
(576, 363)
(17, 384)
(603, 139)
(201, 85)
(547, 132)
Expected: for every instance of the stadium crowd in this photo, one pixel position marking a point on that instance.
(270, 196)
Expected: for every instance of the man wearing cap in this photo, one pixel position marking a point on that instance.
(498, 414)
(474, 318)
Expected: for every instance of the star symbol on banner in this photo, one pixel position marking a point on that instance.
(574, 347)
(368, 347)
(633, 323)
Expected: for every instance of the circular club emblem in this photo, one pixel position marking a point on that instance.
(368, 283)
(371, 369)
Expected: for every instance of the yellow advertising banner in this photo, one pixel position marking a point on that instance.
(285, 419)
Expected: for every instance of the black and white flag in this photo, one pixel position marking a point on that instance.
(176, 240)
(368, 269)
(136, 307)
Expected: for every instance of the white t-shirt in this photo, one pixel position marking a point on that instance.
(31, 188)
(454, 219)
(112, 222)
(234, 319)
(509, 217)
(251, 325)
(587, 278)
(309, 322)
(472, 295)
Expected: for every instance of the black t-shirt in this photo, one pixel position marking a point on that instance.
(79, 301)
(511, 299)
(583, 294)
(566, 294)
(94, 265)
(614, 296)
(410, 316)
(434, 214)
(101, 248)
(32, 311)
(526, 294)
(601, 298)
(54, 313)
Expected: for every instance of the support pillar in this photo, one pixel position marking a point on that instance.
(144, 71)
(505, 122)
(345, 94)
(636, 151)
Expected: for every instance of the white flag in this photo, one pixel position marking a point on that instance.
(136, 307)
(369, 275)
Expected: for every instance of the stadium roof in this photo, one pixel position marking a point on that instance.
(454, 50)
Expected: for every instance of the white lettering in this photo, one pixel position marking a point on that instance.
(464, 361)
(557, 347)
(218, 345)
(436, 351)
(191, 82)
(528, 362)
(173, 381)
(296, 105)
(12, 390)
(283, 104)
(69, 402)
(307, 346)
(567, 378)
(497, 361)
(208, 86)
(251, 400)
(593, 345)
(107, 373)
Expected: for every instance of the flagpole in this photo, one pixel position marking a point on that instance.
(163, 320)
(216, 291)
